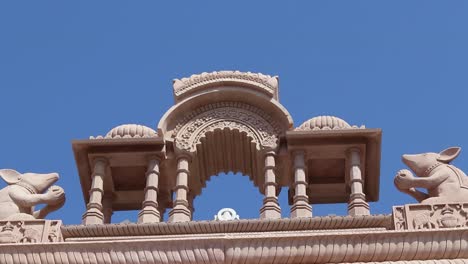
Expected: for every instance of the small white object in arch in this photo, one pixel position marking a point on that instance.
(226, 214)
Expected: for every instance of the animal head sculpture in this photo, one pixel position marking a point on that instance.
(444, 182)
(26, 190)
(40, 182)
(422, 163)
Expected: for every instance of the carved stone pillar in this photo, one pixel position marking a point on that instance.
(357, 202)
(181, 211)
(190, 199)
(270, 208)
(94, 214)
(301, 207)
(150, 212)
(107, 208)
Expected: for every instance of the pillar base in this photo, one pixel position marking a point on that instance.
(149, 216)
(93, 217)
(270, 209)
(301, 210)
(179, 214)
(358, 208)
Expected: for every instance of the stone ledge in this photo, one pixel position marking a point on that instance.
(235, 226)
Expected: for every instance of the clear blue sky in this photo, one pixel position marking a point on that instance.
(71, 69)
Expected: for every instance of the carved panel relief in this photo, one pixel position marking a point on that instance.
(245, 118)
(430, 216)
(30, 231)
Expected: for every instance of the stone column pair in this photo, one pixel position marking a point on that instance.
(97, 213)
(357, 203)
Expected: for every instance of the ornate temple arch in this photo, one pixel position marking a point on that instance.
(226, 122)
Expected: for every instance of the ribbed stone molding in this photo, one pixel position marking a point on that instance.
(216, 227)
(265, 83)
(294, 247)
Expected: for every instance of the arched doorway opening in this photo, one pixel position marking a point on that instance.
(228, 190)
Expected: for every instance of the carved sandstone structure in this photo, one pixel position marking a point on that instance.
(18, 222)
(233, 121)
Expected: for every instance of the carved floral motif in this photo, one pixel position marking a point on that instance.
(235, 116)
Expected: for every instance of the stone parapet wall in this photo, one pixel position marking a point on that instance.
(270, 247)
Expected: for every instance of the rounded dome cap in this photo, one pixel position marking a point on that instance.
(131, 131)
(324, 123)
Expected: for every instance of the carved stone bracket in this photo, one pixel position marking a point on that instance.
(430, 216)
(30, 231)
(243, 117)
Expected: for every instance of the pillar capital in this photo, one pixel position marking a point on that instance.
(299, 152)
(354, 156)
(100, 160)
(184, 155)
(151, 158)
(353, 149)
(299, 157)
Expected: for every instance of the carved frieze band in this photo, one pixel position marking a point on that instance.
(266, 82)
(430, 216)
(233, 115)
(30, 231)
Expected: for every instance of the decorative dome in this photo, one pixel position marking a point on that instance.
(129, 131)
(325, 123)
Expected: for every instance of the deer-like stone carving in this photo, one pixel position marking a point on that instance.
(24, 191)
(444, 182)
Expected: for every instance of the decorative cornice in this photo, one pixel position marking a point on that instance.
(345, 246)
(243, 225)
(266, 82)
